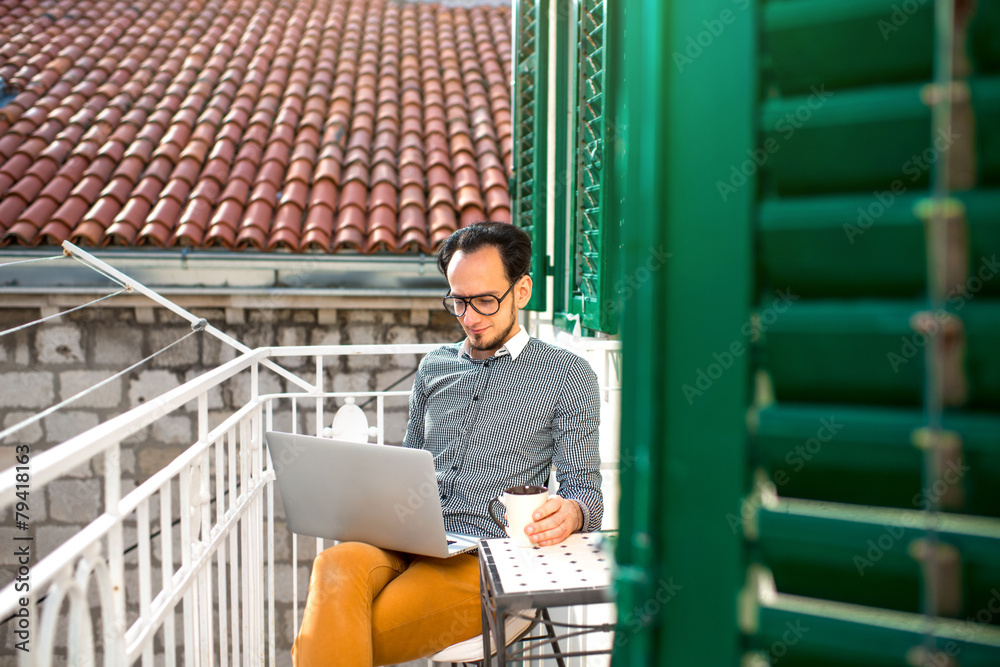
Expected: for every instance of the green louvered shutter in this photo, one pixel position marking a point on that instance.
(528, 187)
(594, 231)
(863, 215)
(874, 520)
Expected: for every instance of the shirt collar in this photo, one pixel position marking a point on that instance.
(514, 347)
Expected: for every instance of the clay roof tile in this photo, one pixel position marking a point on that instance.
(412, 218)
(325, 193)
(383, 195)
(160, 131)
(349, 238)
(223, 224)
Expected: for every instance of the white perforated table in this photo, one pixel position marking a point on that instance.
(514, 579)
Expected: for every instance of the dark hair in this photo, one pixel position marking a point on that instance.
(512, 242)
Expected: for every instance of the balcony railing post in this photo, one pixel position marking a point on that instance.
(190, 611)
(380, 418)
(220, 514)
(234, 561)
(257, 453)
(145, 571)
(205, 576)
(56, 594)
(245, 527)
(167, 566)
(319, 391)
(295, 583)
(114, 637)
(203, 417)
(271, 627)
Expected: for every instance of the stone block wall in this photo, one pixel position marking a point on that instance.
(48, 363)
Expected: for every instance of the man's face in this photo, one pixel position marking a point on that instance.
(482, 272)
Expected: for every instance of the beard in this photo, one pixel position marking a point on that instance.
(485, 345)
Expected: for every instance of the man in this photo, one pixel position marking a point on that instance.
(496, 411)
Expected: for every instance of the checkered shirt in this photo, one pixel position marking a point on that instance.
(504, 421)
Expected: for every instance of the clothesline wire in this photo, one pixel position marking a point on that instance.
(400, 380)
(34, 259)
(68, 254)
(124, 288)
(59, 314)
(58, 406)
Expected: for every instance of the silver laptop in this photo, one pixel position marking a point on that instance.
(382, 495)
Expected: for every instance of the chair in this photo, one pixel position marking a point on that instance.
(516, 628)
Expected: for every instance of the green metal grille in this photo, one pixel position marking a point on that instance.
(529, 154)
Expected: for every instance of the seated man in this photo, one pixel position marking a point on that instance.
(496, 411)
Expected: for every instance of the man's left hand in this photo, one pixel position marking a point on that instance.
(556, 520)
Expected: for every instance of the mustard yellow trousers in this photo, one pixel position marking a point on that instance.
(368, 606)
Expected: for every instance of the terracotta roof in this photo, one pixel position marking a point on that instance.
(367, 125)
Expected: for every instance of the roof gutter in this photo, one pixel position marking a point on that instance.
(194, 278)
(227, 272)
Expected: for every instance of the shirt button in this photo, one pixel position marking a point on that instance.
(486, 365)
(475, 398)
(454, 467)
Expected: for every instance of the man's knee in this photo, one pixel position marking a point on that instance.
(346, 564)
(345, 557)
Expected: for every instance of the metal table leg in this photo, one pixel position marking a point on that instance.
(494, 622)
(501, 639)
(550, 631)
(485, 604)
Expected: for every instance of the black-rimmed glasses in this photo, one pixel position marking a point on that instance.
(484, 304)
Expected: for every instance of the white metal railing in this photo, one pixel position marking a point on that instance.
(213, 564)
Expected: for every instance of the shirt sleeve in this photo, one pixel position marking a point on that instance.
(414, 437)
(575, 431)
